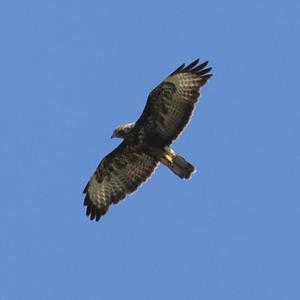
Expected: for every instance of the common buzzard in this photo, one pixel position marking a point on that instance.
(146, 142)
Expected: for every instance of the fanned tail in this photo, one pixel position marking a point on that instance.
(176, 163)
(181, 167)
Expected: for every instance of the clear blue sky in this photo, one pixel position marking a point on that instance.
(71, 71)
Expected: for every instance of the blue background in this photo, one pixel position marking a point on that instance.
(71, 71)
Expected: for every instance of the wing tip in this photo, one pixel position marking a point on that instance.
(92, 211)
(194, 67)
(178, 70)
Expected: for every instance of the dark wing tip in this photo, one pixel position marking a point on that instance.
(92, 211)
(194, 67)
(178, 70)
(95, 212)
(191, 65)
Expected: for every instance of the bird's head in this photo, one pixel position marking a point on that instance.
(123, 130)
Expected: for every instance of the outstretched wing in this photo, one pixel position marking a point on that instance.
(120, 173)
(170, 105)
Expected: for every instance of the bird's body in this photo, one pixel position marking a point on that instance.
(146, 143)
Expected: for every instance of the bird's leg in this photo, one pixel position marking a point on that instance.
(168, 156)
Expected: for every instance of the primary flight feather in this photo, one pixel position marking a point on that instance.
(146, 142)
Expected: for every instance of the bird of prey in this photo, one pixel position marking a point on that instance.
(146, 142)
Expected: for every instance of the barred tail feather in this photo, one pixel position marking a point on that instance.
(181, 167)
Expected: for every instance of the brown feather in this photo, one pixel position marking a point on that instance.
(171, 104)
(119, 174)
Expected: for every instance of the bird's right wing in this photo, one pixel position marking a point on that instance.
(120, 173)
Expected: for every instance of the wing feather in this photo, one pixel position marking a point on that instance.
(171, 104)
(119, 174)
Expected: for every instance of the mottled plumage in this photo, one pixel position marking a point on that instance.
(146, 142)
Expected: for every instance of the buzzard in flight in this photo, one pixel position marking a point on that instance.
(146, 142)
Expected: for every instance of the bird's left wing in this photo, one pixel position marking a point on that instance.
(120, 173)
(170, 105)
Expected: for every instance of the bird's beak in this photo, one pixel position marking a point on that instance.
(112, 136)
